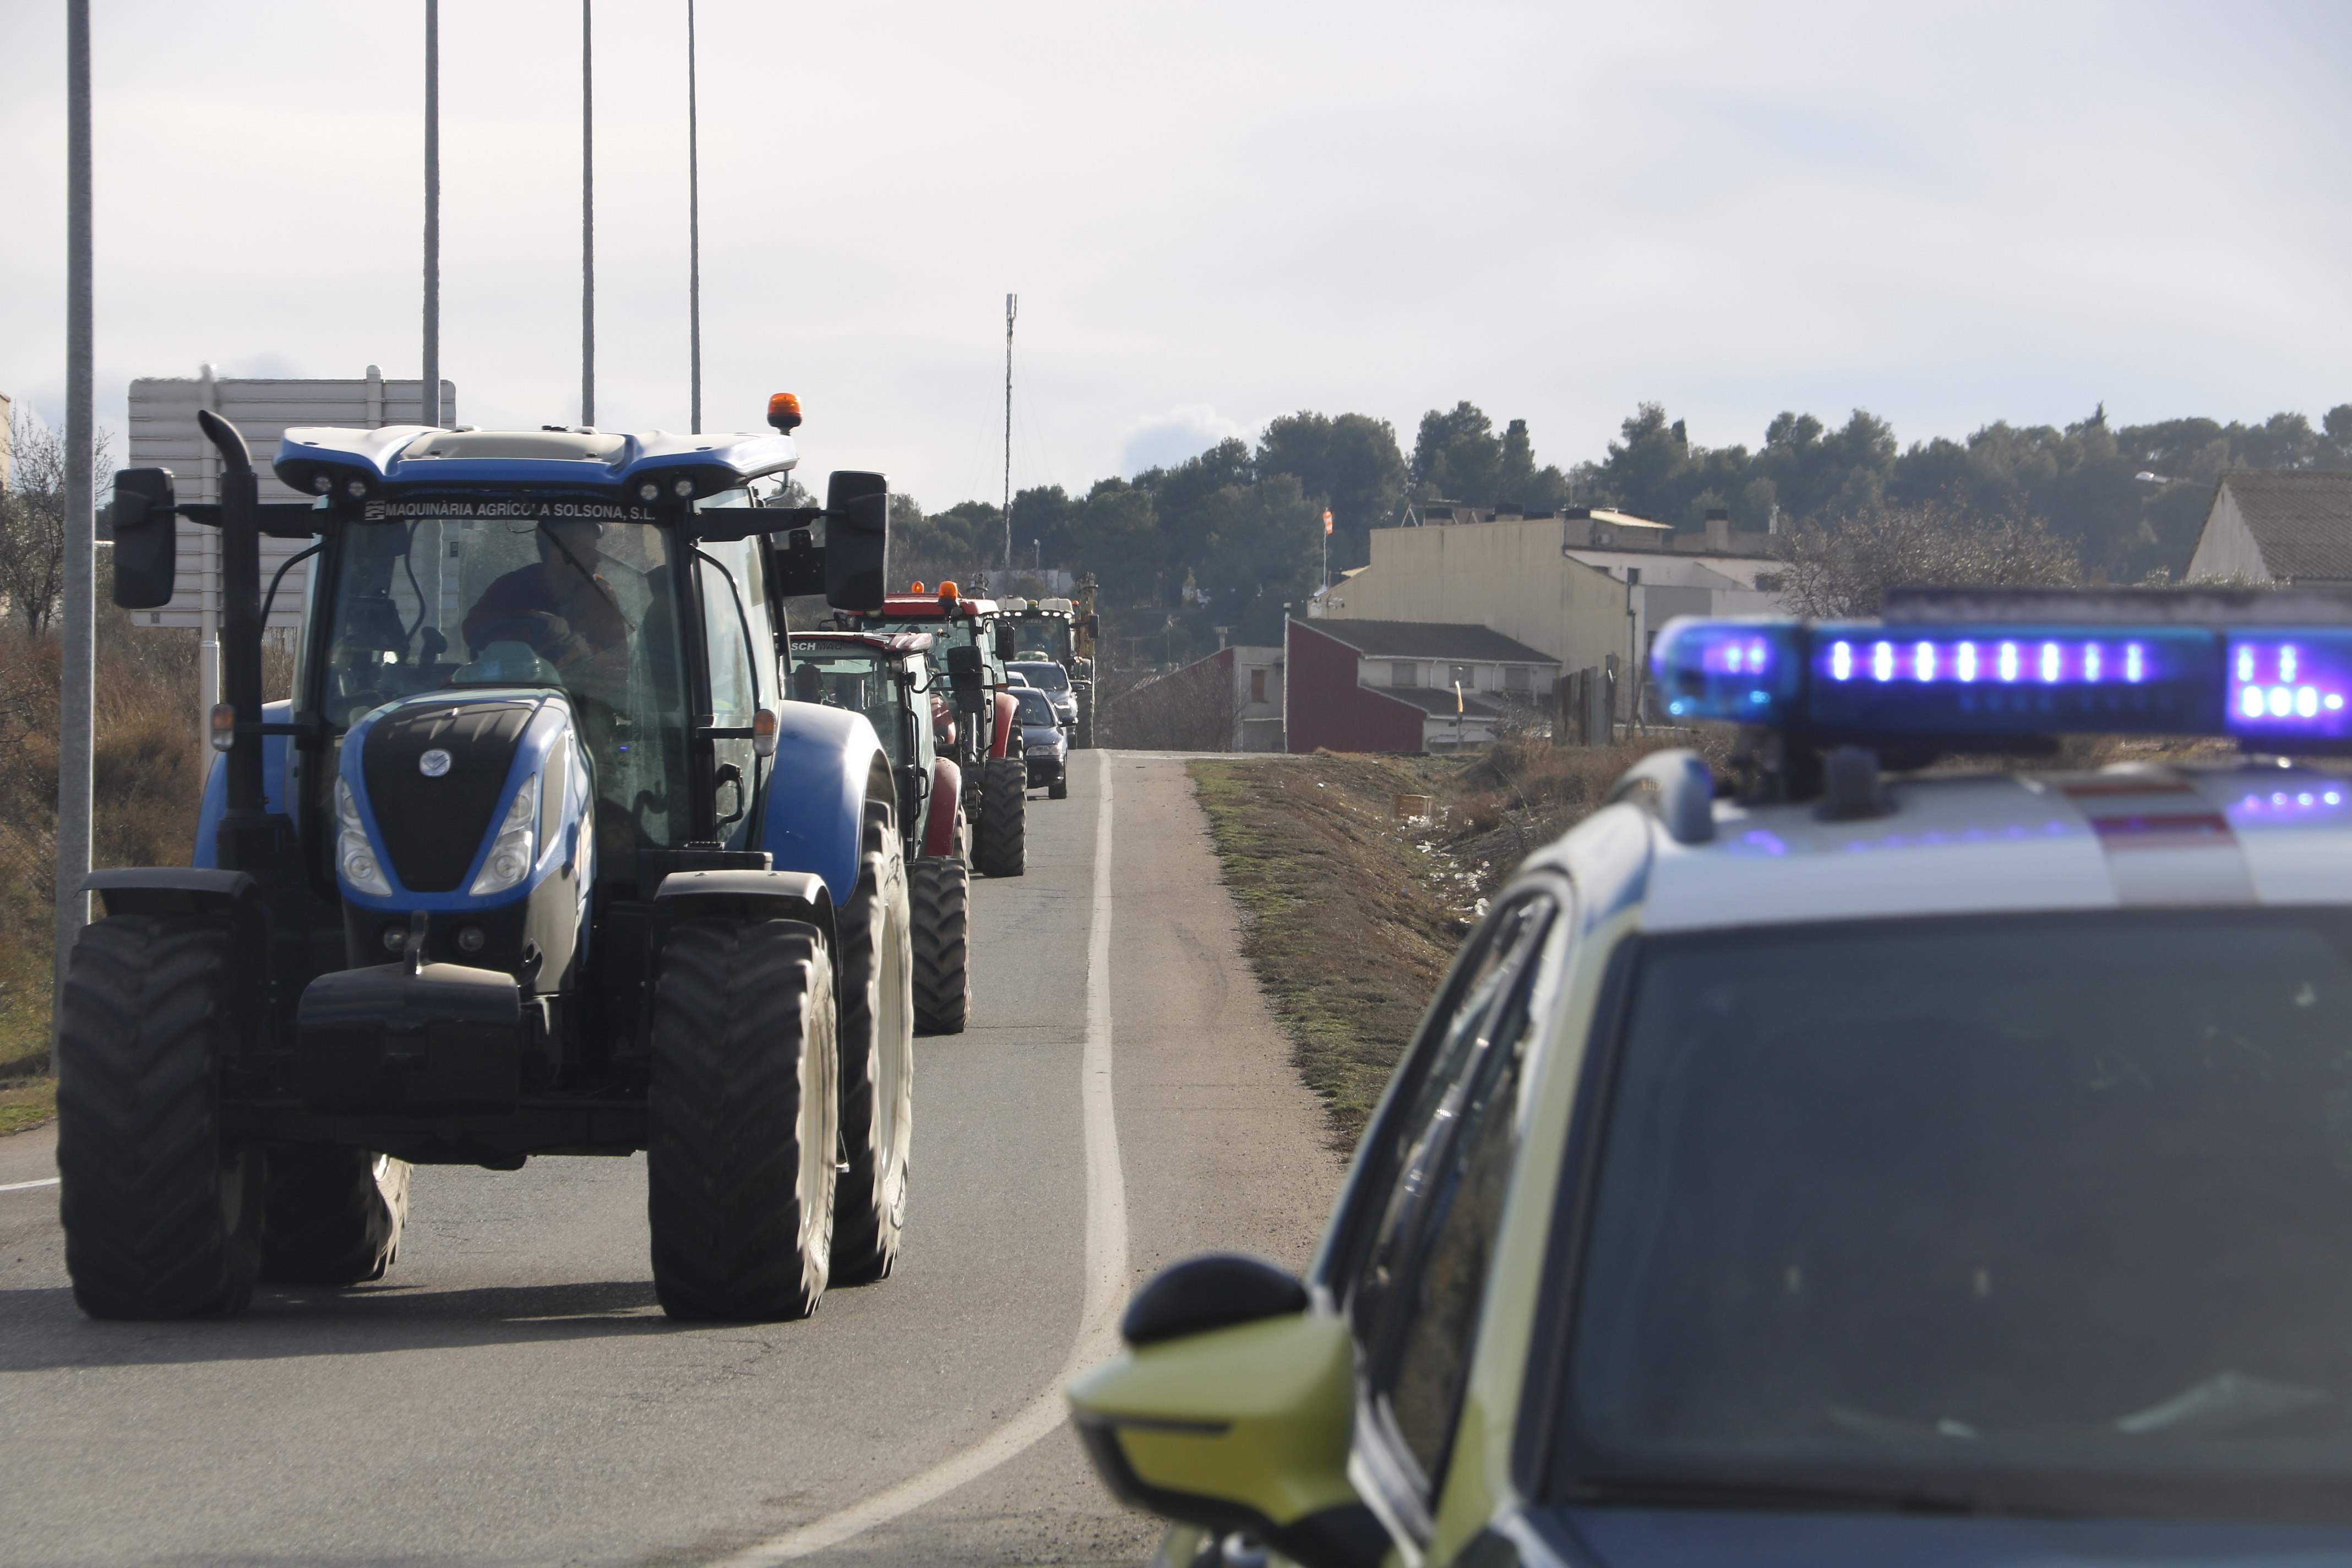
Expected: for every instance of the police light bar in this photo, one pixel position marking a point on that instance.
(2263, 686)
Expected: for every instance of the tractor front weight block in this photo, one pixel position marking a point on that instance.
(441, 1036)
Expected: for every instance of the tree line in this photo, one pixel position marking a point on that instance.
(1227, 538)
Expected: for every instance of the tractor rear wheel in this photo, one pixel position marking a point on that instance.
(1003, 849)
(878, 1060)
(332, 1215)
(162, 1214)
(941, 890)
(743, 1117)
(1084, 740)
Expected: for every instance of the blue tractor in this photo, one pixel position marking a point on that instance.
(535, 860)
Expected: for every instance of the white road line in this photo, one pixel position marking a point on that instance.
(25, 1186)
(1106, 1281)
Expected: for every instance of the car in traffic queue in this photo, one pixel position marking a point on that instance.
(1048, 743)
(1054, 681)
(1833, 1165)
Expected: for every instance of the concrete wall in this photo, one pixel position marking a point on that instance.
(2226, 549)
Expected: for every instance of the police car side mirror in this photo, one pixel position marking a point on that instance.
(857, 539)
(146, 537)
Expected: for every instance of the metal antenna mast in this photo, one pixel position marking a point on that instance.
(431, 409)
(1011, 307)
(693, 229)
(587, 214)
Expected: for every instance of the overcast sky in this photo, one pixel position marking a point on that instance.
(1213, 214)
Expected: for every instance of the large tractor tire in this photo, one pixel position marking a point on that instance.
(162, 1214)
(1003, 846)
(878, 1060)
(332, 1215)
(1083, 740)
(743, 1114)
(940, 892)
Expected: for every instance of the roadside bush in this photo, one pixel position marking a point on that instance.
(145, 783)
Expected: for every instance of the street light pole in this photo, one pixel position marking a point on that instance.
(693, 229)
(587, 213)
(431, 399)
(78, 652)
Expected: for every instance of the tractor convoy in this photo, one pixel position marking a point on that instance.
(537, 859)
(984, 734)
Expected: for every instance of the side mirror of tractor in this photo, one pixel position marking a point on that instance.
(1008, 640)
(146, 537)
(857, 539)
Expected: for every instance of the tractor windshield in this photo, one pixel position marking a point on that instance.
(583, 607)
(857, 680)
(1041, 637)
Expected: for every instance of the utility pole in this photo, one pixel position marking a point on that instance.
(80, 649)
(693, 229)
(587, 213)
(432, 390)
(1012, 306)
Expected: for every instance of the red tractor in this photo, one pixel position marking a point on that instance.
(984, 735)
(886, 676)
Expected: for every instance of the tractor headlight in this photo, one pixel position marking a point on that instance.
(515, 849)
(354, 856)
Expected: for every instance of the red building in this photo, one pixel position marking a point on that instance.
(1391, 686)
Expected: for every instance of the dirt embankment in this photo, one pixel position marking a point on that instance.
(1352, 912)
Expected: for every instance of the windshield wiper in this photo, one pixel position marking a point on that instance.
(1901, 1496)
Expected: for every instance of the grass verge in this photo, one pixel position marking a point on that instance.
(1350, 917)
(27, 1104)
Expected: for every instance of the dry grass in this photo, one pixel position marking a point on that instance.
(1349, 916)
(145, 783)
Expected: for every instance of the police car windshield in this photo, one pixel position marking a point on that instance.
(2061, 1204)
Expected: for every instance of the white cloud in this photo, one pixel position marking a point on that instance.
(1166, 440)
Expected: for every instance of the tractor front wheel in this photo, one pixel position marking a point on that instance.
(162, 1214)
(743, 1115)
(941, 890)
(1003, 849)
(878, 1060)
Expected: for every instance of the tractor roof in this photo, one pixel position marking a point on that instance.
(316, 458)
(878, 642)
(926, 606)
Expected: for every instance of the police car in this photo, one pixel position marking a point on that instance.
(1822, 1166)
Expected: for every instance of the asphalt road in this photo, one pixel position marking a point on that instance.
(511, 1394)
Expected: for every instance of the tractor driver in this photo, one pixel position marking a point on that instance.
(559, 606)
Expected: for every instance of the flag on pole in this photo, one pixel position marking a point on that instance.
(1326, 523)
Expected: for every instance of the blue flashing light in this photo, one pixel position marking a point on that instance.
(2290, 686)
(1746, 672)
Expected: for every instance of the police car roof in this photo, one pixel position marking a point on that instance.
(2245, 833)
(417, 453)
(880, 642)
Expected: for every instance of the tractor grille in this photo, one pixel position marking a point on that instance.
(432, 828)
